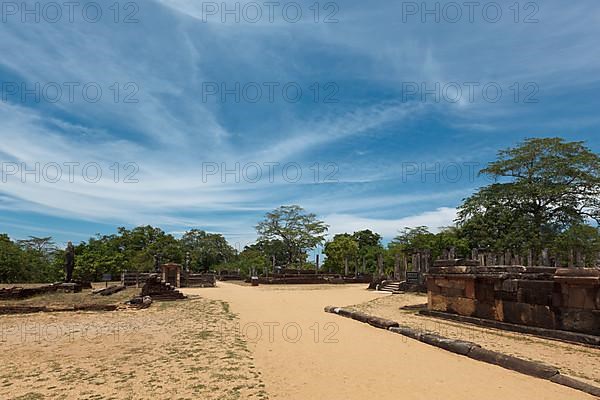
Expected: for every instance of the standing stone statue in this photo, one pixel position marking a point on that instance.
(69, 262)
(157, 260)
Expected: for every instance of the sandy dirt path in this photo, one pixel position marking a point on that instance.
(353, 361)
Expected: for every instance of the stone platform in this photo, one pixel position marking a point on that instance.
(551, 298)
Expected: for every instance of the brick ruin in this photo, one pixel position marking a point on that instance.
(543, 297)
(187, 279)
(158, 289)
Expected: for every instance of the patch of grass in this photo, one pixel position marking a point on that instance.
(30, 396)
(85, 297)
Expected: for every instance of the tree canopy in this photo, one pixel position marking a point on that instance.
(297, 230)
(542, 187)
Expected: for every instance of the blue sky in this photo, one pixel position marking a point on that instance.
(389, 154)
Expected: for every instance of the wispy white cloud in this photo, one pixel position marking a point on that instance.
(389, 228)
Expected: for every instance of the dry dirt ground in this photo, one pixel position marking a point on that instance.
(305, 353)
(242, 342)
(173, 350)
(577, 361)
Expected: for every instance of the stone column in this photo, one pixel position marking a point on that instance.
(545, 258)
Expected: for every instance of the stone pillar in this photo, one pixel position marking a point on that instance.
(427, 260)
(345, 266)
(578, 259)
(445, 254)
(545, 258)
(451, 254)
(571, 258)
(273, 263)
(508, 257)
(380, 264)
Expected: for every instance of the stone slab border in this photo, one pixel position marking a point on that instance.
(471, 350)
(565, 336)
(5, 310)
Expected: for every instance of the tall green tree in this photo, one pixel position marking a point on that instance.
(206, 249)
(12, 266)
(542, 187)
(342, 250)
(369, 248)
(297, 230)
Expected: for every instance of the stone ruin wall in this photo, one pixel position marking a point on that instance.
(552, 298)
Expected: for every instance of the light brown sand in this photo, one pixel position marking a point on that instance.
(580, 362)
(353, 361)
(172, 350)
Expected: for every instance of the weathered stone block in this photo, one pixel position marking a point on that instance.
(557, 300)
(506, 296)
(586, 321)
(452, 292)
(510, 285)
(470, 289)
(460, 262)
(576, 297)
(484, 291)
(535, 292)
(528, 314)
(485, 310)
(461, 305)
(432, 286)
(436, 302)
(499, 310)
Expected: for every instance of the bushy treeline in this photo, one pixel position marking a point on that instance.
(357, 252)
(39, 259)
(31, 260)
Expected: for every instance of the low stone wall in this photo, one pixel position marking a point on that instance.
(311, 279)
(199, 280)
(552, 298)
(134, 278)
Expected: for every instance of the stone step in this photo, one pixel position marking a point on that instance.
(390, 286)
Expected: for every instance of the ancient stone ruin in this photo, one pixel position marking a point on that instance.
(158, 289)
(172, 273)
(17, 292)
(544, 297)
